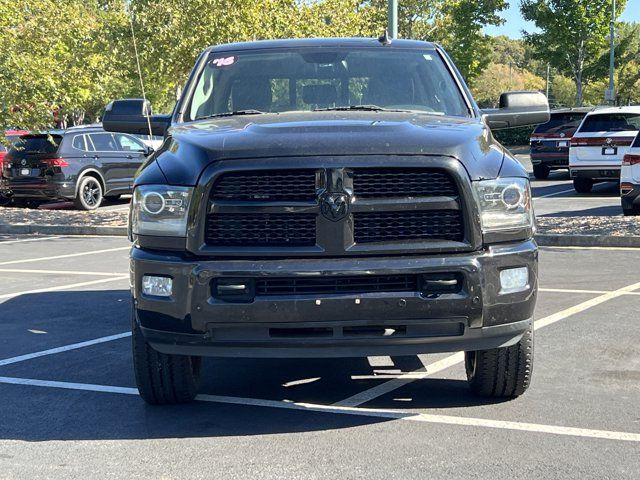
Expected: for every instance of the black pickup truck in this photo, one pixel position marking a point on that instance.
(330, 198)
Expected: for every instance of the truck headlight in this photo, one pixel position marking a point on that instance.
(160, 210)
(505, 204)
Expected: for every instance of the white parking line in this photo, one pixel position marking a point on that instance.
(554, 194)
(69, 255)
(594, 292)
(457, 358)
(39, 239)
(61, 272)
(366, 412)
(62, 287)
(622, 249)
(65, 348)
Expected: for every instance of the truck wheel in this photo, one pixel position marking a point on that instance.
(163, 379)
(501, 372)
(89, 195)
(541, 172)
(582, 185)
(631, 212)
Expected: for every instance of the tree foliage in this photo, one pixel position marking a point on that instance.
(48, 65)
(572, 34)
(498, 78)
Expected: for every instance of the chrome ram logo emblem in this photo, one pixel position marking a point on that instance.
(334, 205)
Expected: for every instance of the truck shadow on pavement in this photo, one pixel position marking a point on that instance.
(37, 413)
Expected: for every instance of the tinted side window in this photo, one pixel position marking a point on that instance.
(636, 144)
(78, 143)
(103, 142)
(611, 122)
(128, 144)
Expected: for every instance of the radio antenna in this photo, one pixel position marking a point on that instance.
(144, 95)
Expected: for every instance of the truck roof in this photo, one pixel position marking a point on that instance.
(319, 42)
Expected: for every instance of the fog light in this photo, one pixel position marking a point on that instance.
(514, 280)
(157, 286)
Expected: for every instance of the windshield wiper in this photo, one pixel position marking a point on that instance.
(367, 108)
(232, 114)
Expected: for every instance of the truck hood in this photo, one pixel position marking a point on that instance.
(191, 147)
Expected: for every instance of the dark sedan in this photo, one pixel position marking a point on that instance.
(82, 164)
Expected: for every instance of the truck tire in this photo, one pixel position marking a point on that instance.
(631, 212)
(163, 379)
(501, 372)
(541, 172)
(582, 185)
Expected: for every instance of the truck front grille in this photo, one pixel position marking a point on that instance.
(398, 226)
(261, 230)
(269, 185)
(302, 211)
(402, 182)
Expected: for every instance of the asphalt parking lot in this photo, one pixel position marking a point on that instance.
(70, 408)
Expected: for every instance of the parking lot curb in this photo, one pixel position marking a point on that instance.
(547, 240)
(64, 230)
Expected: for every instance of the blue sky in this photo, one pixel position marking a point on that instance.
(515, 23)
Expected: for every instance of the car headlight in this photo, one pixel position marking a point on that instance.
(505, 204)
(160, 210)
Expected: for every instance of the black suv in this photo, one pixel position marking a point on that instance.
(83, 164)
(550, 141)
(330, 198)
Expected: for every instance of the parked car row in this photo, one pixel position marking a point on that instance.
(596, 146)
(81, 164)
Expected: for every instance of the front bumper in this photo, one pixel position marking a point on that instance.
(193, 322)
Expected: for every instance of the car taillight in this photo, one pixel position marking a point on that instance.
(626, 188)
(630, 159)
(58, 162)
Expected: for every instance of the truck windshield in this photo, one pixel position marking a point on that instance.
(282, 80)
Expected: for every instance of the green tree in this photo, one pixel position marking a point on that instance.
(572, 33)
(49, 65)
(498, 78)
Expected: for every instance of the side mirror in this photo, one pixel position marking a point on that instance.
(148, 150)
(133, 115)
(518, 109)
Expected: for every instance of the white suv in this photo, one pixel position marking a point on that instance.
(630, 180)
(599, 144)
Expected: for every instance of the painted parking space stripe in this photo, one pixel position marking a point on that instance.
(577, 290)
(65, 348)
(554, 193)
(63, 287)
(62, 272)
(68, 255)
(24, 240)
(366, 412)
(457, 358)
